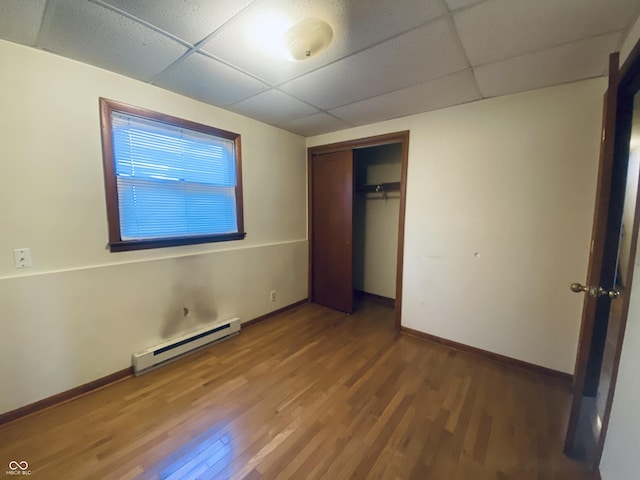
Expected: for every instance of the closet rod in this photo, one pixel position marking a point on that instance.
(380, 187)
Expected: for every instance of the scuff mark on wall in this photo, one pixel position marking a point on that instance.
(192, 303)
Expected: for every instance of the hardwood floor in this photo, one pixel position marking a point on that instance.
(308, 394)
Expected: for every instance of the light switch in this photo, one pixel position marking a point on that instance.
(22, 257)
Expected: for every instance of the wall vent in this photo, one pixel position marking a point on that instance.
(154, 357)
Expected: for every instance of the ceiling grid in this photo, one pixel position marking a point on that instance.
(388, 59)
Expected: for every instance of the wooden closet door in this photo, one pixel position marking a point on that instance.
(332, 230)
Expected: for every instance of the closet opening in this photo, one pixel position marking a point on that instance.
(376, 213)
(357, 195)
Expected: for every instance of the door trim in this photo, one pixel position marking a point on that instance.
(598, 240)
(401, 137)
(627, 85)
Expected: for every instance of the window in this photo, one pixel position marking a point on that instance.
(168, 181)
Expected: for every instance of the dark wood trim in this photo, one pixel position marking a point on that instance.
(65, 396)
(629, 88)
(114, 105)
(624, 314)
(266, 316)
(126, 246)
(375, 298)
(401, 216)
(239, 196)
(596, 474)
(514, 362)
(401, 137)
(373, 141)
(116, 244)
(310, 225)
(598, 240)
(110, 183)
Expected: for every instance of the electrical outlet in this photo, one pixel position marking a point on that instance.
(272, 295)
(22, 257)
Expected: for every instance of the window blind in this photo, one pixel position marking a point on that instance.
(172, 181)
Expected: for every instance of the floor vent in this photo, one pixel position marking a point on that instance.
(154, 357)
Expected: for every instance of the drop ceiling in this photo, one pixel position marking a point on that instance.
(388, 58)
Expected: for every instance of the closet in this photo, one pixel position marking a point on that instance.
(376, 209)
(356, 220)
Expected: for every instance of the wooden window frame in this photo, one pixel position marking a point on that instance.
(116, 243)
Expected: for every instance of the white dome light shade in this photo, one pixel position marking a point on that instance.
(308, 38)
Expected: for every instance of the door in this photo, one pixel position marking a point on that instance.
(332, 230)
(610, 272)
(331, 167)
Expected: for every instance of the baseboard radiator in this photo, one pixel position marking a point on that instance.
(154, 357)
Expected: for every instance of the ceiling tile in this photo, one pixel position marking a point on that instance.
(500, 29)
(315, 124)
(272, 107)
(356, 25)
(190, 20)
(93, 34)
(456, 4)
(208, 80)
(426, 53)
(443, 92)
(20, 20)
(566, 63)
(407, 53)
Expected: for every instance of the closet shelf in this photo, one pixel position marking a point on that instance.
(380, 187)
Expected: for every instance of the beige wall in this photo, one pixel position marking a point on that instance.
(81, 311)
(500, 198)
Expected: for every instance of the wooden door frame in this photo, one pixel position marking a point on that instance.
(627, 84)
(628, 88)
(401, 137)
(598, 239)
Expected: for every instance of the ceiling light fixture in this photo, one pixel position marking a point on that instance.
(308, 38)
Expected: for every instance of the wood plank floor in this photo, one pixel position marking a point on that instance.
(308, 394)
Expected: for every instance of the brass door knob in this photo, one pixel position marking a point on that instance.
(594, 292)
(577, 288)
(613, 294)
